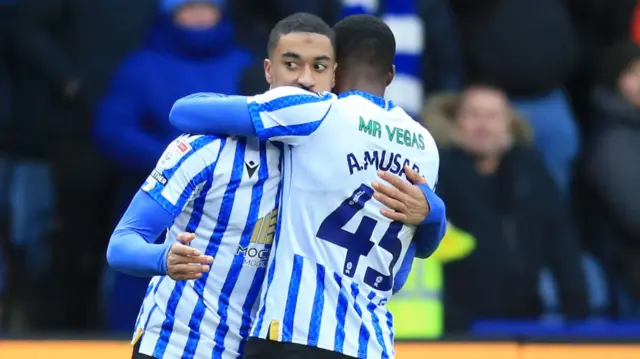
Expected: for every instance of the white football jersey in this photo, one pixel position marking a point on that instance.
(335, 256)
(225, 190)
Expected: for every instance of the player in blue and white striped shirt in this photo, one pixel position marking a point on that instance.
(336, 257)
(225, 190)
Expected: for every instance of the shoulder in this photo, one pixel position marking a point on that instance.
(291, 96)
(191, 151)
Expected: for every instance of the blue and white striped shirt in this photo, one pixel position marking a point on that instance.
(335, 256)
(225, 190)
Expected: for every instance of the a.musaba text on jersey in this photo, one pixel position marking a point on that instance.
(382, 160)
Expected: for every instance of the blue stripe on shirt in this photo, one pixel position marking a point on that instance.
(371, 307)
(317, 308)
(176, 293)
(292, 299)
(274, 249)
(155, 305)
(146, 294)
(238, 261)
(363, 335)
(258, 279)
(341, 315)
(222, 223)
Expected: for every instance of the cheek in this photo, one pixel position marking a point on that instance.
(282, 77)
(324, 82)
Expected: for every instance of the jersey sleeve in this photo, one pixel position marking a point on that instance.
(289, 114)
(187, 163)
(431, 162)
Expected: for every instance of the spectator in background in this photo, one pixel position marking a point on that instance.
(190, 50)
(65, 52)
(612, 169)
(427, 58)
(529, 48)
(600, 24)
(498, 190)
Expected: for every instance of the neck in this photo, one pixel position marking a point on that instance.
(487, 165)
(360, 82)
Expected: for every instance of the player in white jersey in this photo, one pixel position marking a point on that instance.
(225, 191)
(335, 255)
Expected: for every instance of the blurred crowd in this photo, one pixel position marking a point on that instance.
(535, 105)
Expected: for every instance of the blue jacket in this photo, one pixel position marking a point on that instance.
(131, 125)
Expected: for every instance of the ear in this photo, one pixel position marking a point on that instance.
(267, 70)
(333, 81)
(391, 75)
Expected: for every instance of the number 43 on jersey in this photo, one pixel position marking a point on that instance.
(359, 244)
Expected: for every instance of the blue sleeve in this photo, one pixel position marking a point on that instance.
(285, 114)
(118, 127)
(211, 113)
(405, 268)
(131, 248)
(432, 229)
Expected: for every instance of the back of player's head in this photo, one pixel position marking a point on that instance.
(365, 40)
(299, 22)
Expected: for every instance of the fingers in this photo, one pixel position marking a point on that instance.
(395, 181)
(181, 249)
(188, 271)
(390, 192)
(414, 176)
(392, 203)
(394, 216)
(185, 238)
(180, 253)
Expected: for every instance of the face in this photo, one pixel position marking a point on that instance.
(484, 122)
(629, 83)
(197, 16)
(301, 59)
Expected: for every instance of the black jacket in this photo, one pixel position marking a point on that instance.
(520, 226)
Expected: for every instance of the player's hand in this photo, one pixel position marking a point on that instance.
(184, 262)
(406, 202)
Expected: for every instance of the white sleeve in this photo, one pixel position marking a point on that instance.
(187, 163)
(431, 161)
(289, 114)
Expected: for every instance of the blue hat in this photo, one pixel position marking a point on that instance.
(169, 6)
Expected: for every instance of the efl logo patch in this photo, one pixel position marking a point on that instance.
(183, 147)
(172, 155)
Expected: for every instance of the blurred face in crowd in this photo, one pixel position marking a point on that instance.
(629, 83)
(301, 59)
(484, 121)
(197, 15)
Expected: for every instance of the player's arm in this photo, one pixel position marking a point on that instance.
(414, 204)
(405, 268)
(432, 229)
(184, 167)
(284, 114)
(131, 248)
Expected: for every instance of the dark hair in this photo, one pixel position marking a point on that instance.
(615, 61)
(300, 22)
(365, 40)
